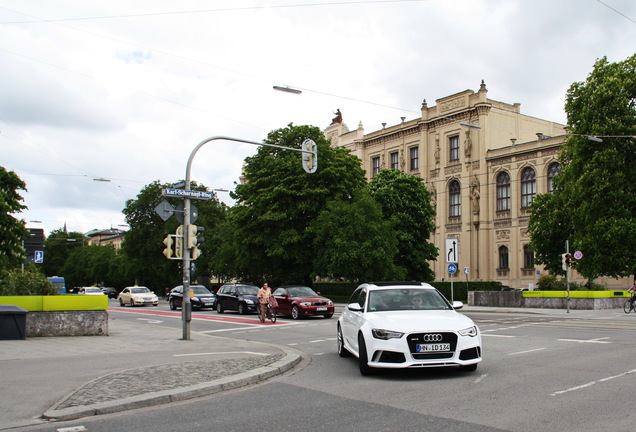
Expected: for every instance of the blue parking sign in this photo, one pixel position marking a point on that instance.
(39, 257)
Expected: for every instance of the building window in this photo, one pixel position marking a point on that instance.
(414, 153)
(395, 163)
(503, 191)
(375, 165)
(528, 257)
(503, 258)
(553, 171)
(454, 195)
(528, 187)
(453, 143)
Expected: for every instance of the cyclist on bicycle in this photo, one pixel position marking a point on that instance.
(633, 291)
(263, 299)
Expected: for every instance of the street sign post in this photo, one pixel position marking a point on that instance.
(452, 268)
(164, 210)
(452, 250)
(180, 193)
(39, 257)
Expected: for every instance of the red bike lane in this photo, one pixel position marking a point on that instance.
(217, 318)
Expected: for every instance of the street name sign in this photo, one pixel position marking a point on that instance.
(180, 193)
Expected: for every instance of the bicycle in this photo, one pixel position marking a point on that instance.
(629, 304)
(269, 313)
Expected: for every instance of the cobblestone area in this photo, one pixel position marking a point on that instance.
(139, 381)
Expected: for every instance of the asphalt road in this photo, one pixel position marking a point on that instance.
(540, 373)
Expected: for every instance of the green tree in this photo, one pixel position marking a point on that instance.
(596, 184)
(143, 243)
(12, 231)
(31, 281)
(406, 198)
(354, 241)
(279, 202)
(58, 247)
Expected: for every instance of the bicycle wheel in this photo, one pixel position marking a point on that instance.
(260, 314)
(272, 315)
(628, 306)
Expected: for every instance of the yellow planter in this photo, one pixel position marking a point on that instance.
(576, 294)
(65, 302)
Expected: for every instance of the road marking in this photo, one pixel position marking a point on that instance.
(150, 321)
(217, 353)
(527, 351)
(501, 336)
(72, 429)
(571, 389)
(480, 379)
(598, 340)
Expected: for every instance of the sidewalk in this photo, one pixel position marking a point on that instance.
(137, 365)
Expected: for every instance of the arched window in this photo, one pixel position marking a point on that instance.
(553, 171)
(528, 257)
(503, 191)
(503, 258)
(528, 187)
(454, 196)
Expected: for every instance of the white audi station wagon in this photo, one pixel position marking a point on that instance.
(406, 325)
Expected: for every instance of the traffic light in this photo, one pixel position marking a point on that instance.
(178, 249)
(193, 232)
(566, 261)
(310, 156)
(168, 252)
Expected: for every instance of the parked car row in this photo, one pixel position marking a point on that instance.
(200, 297)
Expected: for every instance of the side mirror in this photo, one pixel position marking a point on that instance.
(355, 307)
(283, 295)
(457, 305)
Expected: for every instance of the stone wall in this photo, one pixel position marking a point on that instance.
(67, 323)
(515, 299)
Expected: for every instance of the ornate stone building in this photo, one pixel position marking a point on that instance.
(483, 163)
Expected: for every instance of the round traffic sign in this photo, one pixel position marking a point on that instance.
(452, 268)
(578, 255)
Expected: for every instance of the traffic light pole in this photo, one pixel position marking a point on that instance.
(309, 147)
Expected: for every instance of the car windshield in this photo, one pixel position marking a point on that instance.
(248, 290)
(142, 290)
(405, 299)
(301, 292)
(200, 290)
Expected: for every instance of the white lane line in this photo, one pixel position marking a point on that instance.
(527, 351)
(218, 353)
(571, 389)
(150, 321)
(72, 429)
(501, 336)
(598, 340)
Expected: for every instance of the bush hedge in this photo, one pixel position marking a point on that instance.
(24, 283)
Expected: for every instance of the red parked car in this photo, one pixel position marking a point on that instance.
(301, 301)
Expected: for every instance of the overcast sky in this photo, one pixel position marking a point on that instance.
(124, 91)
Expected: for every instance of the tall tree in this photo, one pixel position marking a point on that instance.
(406, 198)
(355, 242)
(143, 243)
(596, 184)
(12, 231)
(279, 202)
(58, 246)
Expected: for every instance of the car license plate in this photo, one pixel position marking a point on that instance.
(432, 347)
(319, 309)
(207, 303)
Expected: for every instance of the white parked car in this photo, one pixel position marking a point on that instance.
(137, 295)
(406, 325)
(90, 291)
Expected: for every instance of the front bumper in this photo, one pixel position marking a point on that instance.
(403, 352)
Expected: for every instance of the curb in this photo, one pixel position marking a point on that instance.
(291, 359)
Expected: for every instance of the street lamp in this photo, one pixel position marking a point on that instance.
(288, 89)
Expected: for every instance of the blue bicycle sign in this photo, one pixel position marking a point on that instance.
(452, 268)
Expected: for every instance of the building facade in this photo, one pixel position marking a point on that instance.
(483, 163)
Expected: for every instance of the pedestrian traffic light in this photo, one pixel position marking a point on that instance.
(168, 252)
(193, 235)
(310, 156)
(178, 247)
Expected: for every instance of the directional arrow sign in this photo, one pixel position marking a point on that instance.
(452, 250)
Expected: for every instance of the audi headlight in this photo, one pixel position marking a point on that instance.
(470, 331)
(305, 304)
(386, 334)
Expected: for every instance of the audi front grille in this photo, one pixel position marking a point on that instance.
(415, 339)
